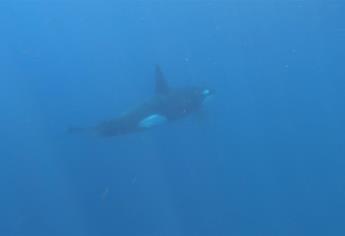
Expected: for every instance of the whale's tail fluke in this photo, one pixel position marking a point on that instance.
(83, 130)
(76, 130)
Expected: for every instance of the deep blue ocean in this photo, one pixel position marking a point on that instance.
(266, 158)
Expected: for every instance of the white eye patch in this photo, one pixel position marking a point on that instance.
(206, 92)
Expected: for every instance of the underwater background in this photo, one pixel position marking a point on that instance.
(268, 158)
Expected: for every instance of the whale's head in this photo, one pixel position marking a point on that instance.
(204, 94)
(207, 92)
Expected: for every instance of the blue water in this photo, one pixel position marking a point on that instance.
(268, 158)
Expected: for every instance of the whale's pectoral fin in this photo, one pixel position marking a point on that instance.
(161, 86)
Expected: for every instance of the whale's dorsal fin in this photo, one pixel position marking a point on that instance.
(162, 86)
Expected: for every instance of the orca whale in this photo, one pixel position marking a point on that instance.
(168, 104)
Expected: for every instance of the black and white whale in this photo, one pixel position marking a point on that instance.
(167, 105)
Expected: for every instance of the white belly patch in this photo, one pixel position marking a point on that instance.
(152, 120)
